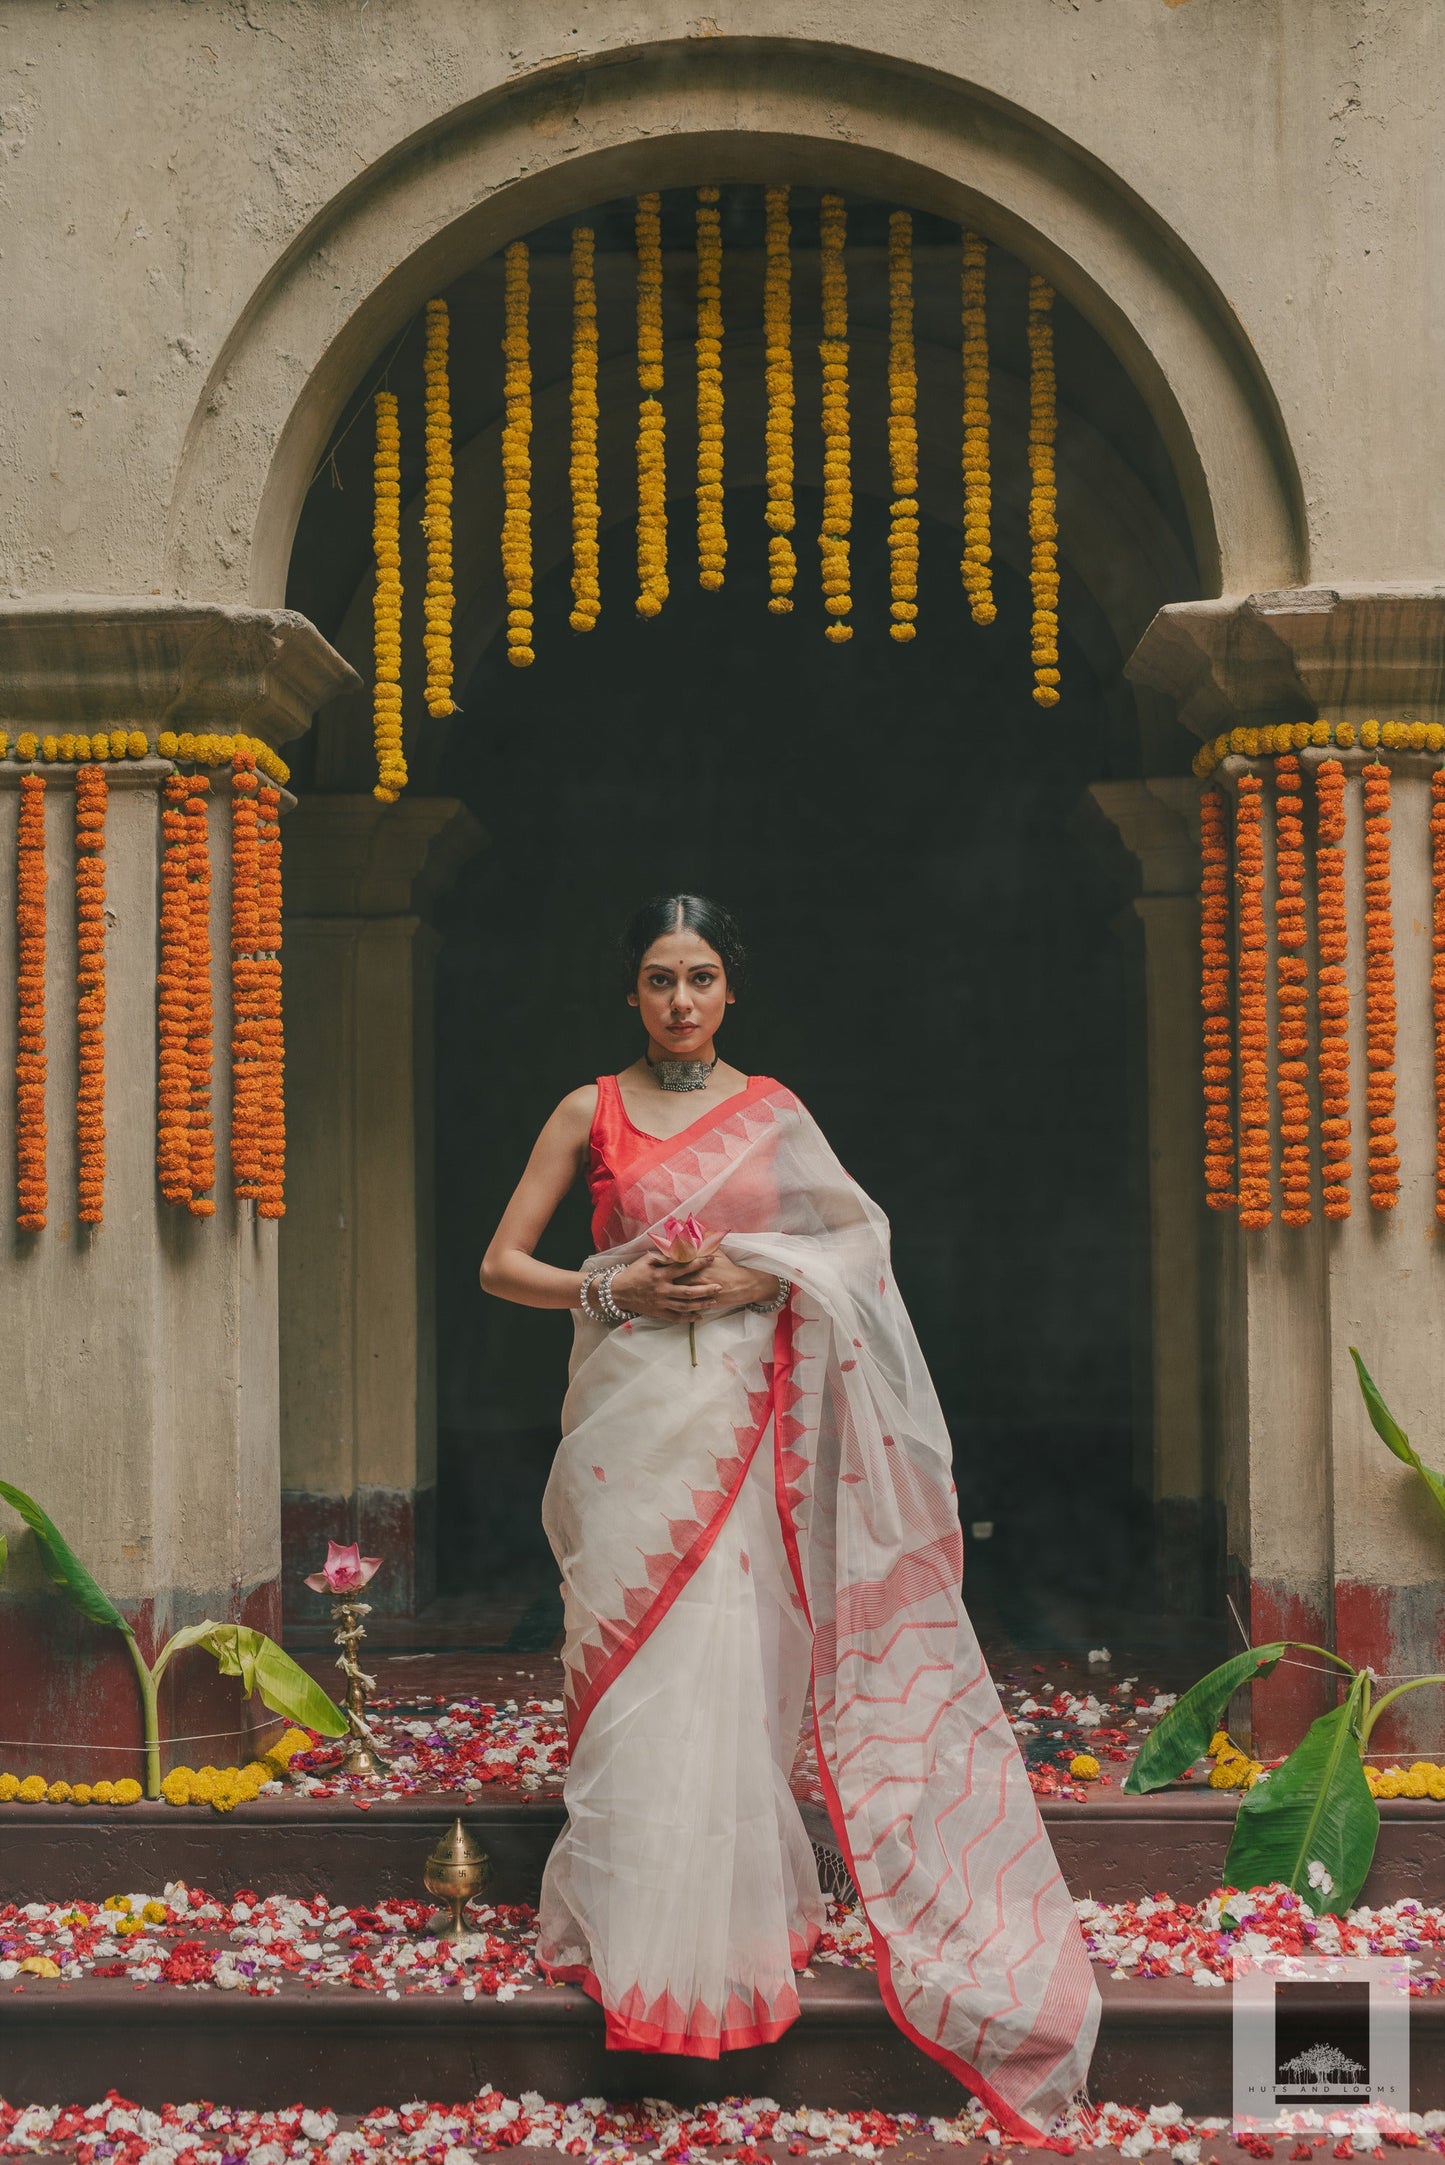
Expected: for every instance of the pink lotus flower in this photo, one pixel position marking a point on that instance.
(345, 1571)
(683, 1240)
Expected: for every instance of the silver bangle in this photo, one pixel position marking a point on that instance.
(779, 1300)
(583, 1302)
(607, 1307)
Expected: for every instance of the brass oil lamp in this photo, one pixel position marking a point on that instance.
(456, 1870)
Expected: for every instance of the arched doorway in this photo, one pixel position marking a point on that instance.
(941, 971)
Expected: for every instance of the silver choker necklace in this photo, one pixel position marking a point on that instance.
(682, 1074)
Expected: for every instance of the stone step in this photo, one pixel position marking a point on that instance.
(1160, 2041)
(1114, 1847)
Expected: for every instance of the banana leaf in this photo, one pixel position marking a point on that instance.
(1388, 1429)
(1315, 1806)
(1183, 1735)
(63, 1565)
(262, 1666)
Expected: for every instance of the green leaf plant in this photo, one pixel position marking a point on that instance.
(259, 1662)
(1311, 1822)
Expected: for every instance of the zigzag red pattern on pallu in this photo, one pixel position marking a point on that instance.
(665, 2025)
(596, 1663)
(673, 1174)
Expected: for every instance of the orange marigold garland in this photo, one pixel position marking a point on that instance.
(837, 454)
(778, 351)
(712, 546)
(517, 455)
(1437, 973)
(583, 469)
(1254, 1143)
(1384, 1163)
(31, 1195)
(977, 484)
(173, 1009)
(1043, 494)
(385, 605)
(200, 1022)
(246, 1033)
(1332, 931)
(273, 1100)
(1215, 992)
(902, 430)
(652, 582)
(1291, 994)
(436, 521)
(91, 794)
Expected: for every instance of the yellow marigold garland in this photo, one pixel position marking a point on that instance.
(247, 1036)
(1254, 1141)
(977, 481)
(711, 531)
(837, 455)
(271, 1202)
(517, 457)
(902, 430)
(1287, 736)
(1380, 1019)
(200, 1020)
(1291, 995)
(436, 520)
(778, 363)
(1043, 494)
(91, 795)
(1215, 982)
(584, 470)
(1437, 973)
(1332, 930)
(173, 1007)
(652, 584)
(386, 602)
(32, 1190)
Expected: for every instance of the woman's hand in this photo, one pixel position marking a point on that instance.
(653, 1286)
(733, 1285)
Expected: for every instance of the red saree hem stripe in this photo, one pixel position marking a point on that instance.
(685, 1566)
(624, 2034)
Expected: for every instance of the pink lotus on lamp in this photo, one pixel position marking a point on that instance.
(345, 1571)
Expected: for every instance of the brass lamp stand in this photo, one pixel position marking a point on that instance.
(456, 1870)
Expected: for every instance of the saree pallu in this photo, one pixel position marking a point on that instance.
(773, 1534)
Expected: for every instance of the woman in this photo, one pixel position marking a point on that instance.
(772, 1526)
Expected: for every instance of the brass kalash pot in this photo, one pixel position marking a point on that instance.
(456, 1870)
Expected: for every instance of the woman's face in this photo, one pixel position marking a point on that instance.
(682, 992)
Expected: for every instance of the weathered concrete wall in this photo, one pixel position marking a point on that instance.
(1241, 197)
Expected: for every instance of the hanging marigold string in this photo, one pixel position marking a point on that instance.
(1043, 494)
(778, 363)
(902, 430)
(1254, 1141)
(837, 455)
(1291, 995)
(1380, 1019)
(91, 795)
(1332, 933)
(247, 1037)
(517, 456)
(200, 1021)
(711, 530)
(271, 1203)
(977, 482)
(1437, 973)
(31, 1184)
(436, 522)
(652, 585)
(173, 1008)
(386, 602)
(584, 469)
(1216, 989)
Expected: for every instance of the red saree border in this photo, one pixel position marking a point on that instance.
(626, 2035)
(687, 1564)
(1012, 2123)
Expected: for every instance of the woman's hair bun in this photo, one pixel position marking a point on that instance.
(685, 913)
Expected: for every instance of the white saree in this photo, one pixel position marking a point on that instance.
(780, 1517)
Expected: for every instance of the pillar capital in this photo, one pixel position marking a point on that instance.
(350, 856)
(1345, 653)
(73, 661)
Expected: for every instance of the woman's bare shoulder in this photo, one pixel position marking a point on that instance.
(577, 1111)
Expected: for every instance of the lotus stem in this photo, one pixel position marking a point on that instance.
(692, 1342)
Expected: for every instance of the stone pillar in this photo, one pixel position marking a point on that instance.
(358, 1333)
(139, 1359)
(1157, 820)
(1331, 1539)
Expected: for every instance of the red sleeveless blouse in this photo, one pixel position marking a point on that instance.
(617, 1149)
